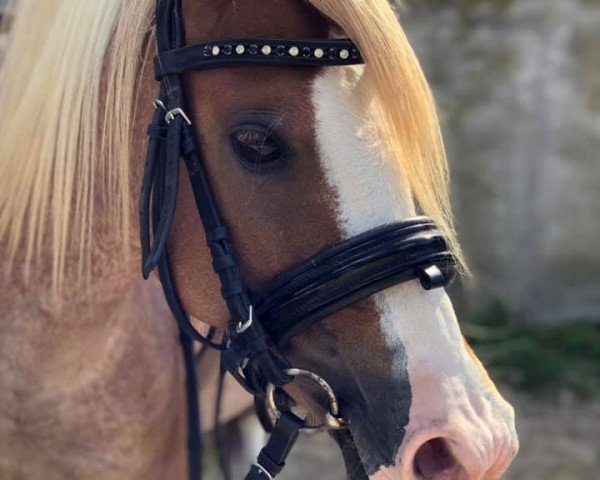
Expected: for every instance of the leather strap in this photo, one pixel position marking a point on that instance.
(350, 271)
(271, 458)
(203, 56)
(194, 438)
(352, 461)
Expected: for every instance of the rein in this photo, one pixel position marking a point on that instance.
(262, 322)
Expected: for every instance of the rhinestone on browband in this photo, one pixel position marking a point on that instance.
(283, 51)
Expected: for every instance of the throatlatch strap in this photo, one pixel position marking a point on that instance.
(271, 458)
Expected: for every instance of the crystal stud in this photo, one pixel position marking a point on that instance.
(319, 52)
(215, 50)
(240, 49)
(344, 54)
(294, 51)
(266, 50)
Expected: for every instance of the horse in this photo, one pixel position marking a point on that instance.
(299, 158)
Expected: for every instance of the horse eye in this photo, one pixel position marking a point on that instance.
(257, 148)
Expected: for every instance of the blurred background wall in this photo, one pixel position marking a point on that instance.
(518, 86)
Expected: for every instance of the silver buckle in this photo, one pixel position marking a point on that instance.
(264, 471)
(171, 114)
(241, 327)
(159, 104)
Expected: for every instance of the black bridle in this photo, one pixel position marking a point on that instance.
(262, 322)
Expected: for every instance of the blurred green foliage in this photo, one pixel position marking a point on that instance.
(534, 357)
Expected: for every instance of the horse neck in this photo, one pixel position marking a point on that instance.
(98, 275)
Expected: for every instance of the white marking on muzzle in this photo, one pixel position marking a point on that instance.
(450, 391)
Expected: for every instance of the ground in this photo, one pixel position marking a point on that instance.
(560, 440)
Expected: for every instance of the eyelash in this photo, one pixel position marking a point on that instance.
(258, 148)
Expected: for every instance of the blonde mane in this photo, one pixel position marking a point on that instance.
(68, 61)
(407, 116)
(58, 164)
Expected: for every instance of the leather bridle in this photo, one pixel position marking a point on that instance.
(262, 322)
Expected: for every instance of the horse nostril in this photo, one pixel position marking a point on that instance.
(435, 461)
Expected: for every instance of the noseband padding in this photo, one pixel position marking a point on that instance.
(350, 271)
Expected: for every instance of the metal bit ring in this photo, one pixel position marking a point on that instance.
(332, 418)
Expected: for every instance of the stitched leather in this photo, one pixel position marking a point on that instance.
(197, 57)
(348, 272)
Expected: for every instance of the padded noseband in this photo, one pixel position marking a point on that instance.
(350, 271)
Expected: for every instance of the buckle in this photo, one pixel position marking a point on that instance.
(241, 327)
(171, 114)
(157, 103)
(263, 471)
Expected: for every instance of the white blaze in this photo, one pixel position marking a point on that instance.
(446, 382)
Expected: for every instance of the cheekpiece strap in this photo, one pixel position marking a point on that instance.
(267, 51)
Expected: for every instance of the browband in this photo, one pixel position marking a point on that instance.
(266, 51)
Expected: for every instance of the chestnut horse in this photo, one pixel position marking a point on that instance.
(90, 366)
